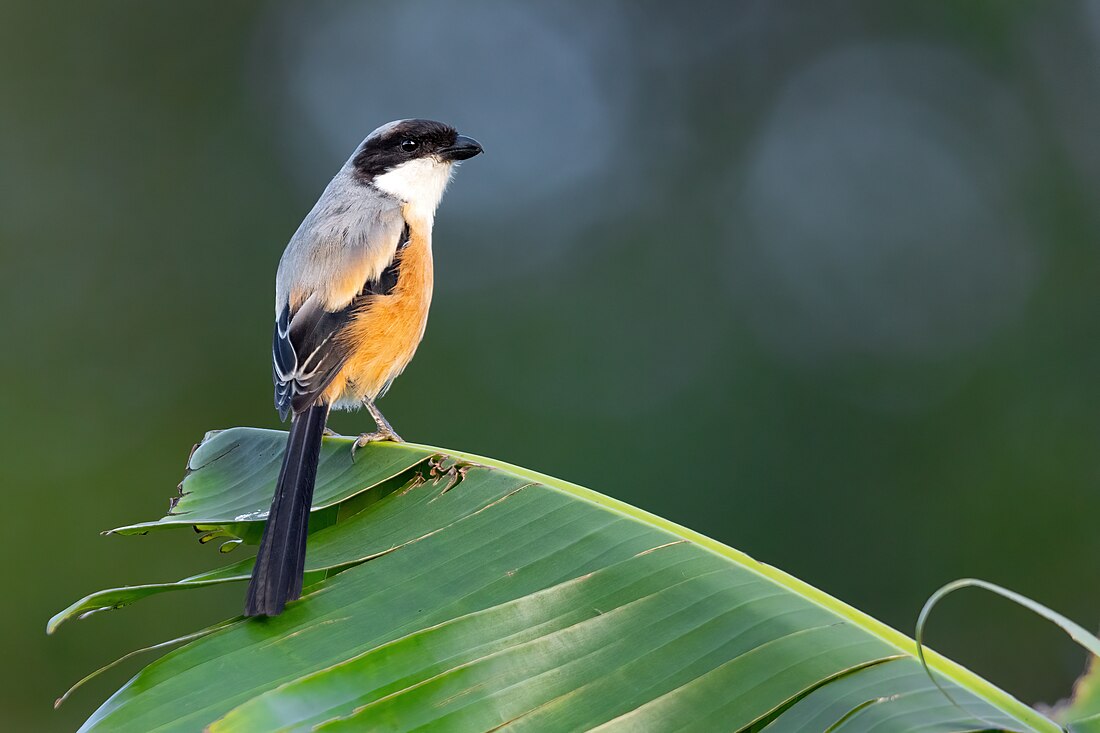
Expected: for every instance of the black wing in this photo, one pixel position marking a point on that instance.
(307, 351)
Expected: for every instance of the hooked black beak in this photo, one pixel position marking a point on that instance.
(464, 148)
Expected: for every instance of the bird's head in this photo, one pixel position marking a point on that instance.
(412, 160)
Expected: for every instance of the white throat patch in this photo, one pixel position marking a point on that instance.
(419, 183)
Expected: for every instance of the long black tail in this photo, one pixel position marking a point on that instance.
(277, 576)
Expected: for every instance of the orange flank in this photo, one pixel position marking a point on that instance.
(386, 331)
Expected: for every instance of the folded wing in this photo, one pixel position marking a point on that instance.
(308, 349)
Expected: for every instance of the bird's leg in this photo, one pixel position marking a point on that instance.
(385, 430)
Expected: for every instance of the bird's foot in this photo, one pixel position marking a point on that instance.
(331, 433)
(375, 437)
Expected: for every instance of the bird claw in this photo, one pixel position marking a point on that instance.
(377, 436)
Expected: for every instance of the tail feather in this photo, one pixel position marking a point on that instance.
(280, 563)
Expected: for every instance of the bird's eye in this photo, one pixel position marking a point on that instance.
(409, 145)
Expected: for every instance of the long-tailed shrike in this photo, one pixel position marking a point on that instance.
(351, 304)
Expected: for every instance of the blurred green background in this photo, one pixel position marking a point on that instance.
(820, 280)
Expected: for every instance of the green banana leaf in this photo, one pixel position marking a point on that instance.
(1081, 713)
(452, 592)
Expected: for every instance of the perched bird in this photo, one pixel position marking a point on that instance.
(351, 303)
